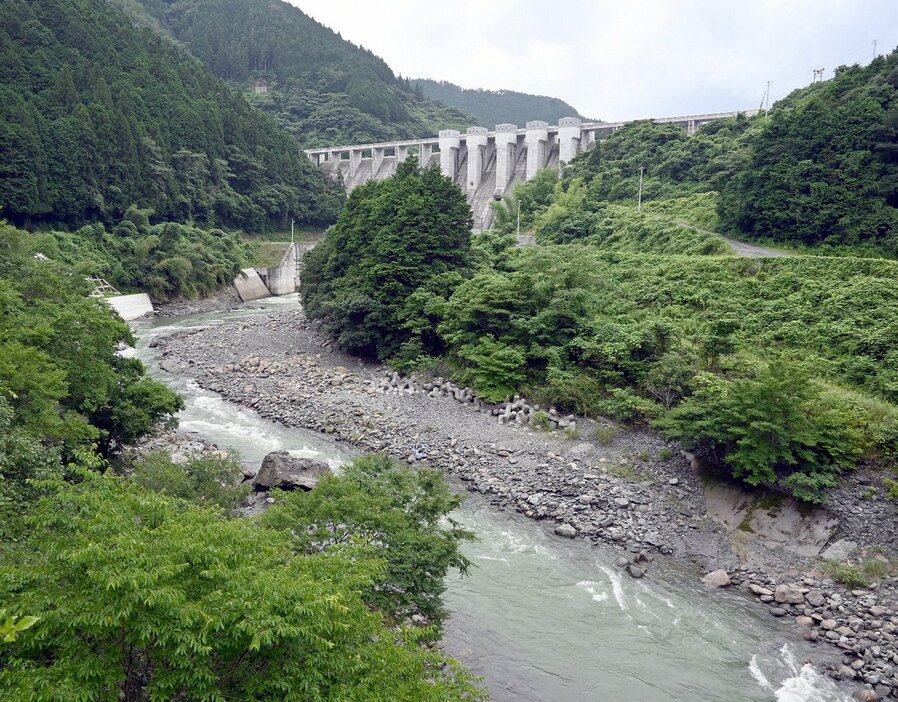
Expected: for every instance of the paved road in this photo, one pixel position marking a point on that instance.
(740, 248)
(751, 251)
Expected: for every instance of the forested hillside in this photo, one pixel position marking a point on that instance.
(323, 89)
(492, 107)
(824, 169)
(97, 115)
(821, 171)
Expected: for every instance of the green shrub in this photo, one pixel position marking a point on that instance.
(393, 513)
(206, 480)
(848, 575)
(394, 238)
(492, 368)
(777, 425)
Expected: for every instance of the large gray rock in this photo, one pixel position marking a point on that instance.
(785, 594)
(839, 551)
(566, 530)
(285, 472)
(717, 578)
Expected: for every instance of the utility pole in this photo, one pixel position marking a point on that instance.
(639, 200)
(874, 48)
(292, 222)
(767, 98)
(519, 218)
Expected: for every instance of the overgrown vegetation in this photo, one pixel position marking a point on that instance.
(66, 395)
(824, 167)
(166, 260)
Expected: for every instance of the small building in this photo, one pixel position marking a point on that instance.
(260, 87)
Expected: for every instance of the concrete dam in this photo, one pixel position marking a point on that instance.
(485, 164)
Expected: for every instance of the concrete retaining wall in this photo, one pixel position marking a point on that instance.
(281, 279)
(250, 286)
(131, 306)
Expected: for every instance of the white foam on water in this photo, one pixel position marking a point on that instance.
(492, 558)
(594, 589)
(808, 686)
(804, 684)
(758, 674)
(617, 588)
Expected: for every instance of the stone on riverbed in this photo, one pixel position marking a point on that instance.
(839, 551)
(285, 472)
(635, 571)
(784, 594)
(717, 578)
(566, 530)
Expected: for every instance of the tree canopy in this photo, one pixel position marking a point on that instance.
(408, 234)
(323, 89)
(142, 596)
(98, 114)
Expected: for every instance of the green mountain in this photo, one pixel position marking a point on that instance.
(824, 170)
(322, 89)
(820, 172)
(98, 114)
(492, 107)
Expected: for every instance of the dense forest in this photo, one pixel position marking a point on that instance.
(97, 115)
(322, 89)
(492, 107)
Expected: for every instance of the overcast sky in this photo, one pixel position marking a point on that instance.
(624, 59)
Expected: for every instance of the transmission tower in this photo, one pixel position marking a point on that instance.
(818, 75)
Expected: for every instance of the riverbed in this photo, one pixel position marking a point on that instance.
(543, 619)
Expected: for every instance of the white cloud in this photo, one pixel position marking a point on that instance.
(622, 59)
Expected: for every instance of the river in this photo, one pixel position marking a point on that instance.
(542, 619)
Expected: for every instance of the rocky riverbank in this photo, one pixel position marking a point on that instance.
(593, 481)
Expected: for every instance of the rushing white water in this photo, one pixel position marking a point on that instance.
(543, 619)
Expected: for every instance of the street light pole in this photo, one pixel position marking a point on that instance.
(639, 201)
(292, 222)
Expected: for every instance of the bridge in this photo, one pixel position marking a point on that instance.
(485, 164)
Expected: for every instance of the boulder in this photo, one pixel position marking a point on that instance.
(285, 472)
(566, 530)
(785, 594)
(865, 695)
(816, 597)
(635, 571)
(839, 551)
(717, 578)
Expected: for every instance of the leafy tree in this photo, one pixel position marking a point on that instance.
(390, 512)
(774, 424)
(142, 596)
(207, 480)
(63, 382)
(394, 237)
